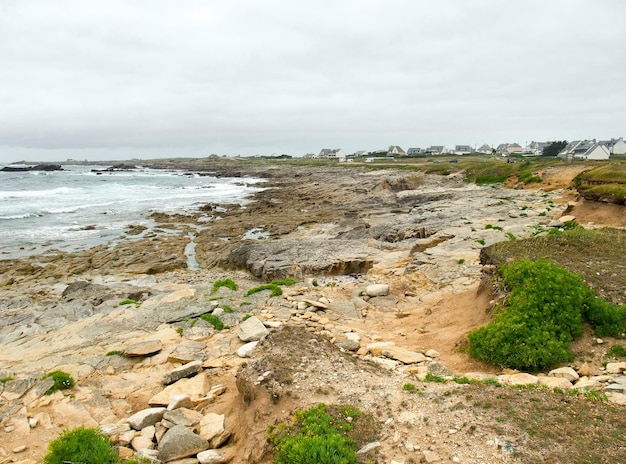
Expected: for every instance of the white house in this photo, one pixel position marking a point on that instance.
(335, 153)
(463, 150)
(395, 150)
(485, 149)
(585, 150)
(618, 147)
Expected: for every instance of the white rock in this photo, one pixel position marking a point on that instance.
(377, 290)
(566, 373)
(246, 350)
(210, 457)
(252, 329)
(146, 417)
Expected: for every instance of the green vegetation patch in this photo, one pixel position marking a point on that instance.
(228, 283)
(128, 301)
(273, 287)
(81, 445)
(212, 319)
(62, 381)
(543, 314)
(322, 435)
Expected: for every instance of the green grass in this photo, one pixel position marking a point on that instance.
(322, 435)
(62, 381)
(212, 319)
(409, 387)
(128, 301)
(228, 283)
(273, 287)
(115, 353)
(6, 379)
(81, 445)
(617, 351)
(228, 309)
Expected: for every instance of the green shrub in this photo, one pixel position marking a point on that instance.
(543, 314)
(408, 387)
(315, 436)
(617, 351)
(62, 381)
(81, 445)
(212, 319)
(228, 283)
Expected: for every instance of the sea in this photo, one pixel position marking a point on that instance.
(84, 206)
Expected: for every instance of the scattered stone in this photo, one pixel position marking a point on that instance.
(523, 379)
(481, 376)
(252, 329)
(114, 429)
(20, 449)
(212, 429)
(315, 304)
(188, 370)
(188, 351)
(430, 456)
(432, 353)
(183, 416)
(210, 457)
(376, 348)
(615, 367)
(179, 442)
(246, 350)
(369, 447)
(180, 401)
(196, 387)
(141, 442)
(439, 369)
(556, 382)
(145, 418)
(144, 349)
(403, 355)
(565, 372)
(348, 345)
(377, 290)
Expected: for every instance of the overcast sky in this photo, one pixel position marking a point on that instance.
(91, 79)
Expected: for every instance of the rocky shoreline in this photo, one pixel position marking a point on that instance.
(389, 281)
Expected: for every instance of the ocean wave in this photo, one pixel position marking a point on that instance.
(12, 194)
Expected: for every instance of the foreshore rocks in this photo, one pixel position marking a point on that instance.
(385, 264)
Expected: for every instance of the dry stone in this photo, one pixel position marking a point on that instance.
(180, 442)
(377, 290)
(180, 401)
(144, 349)
(566, 373)
(556, 382)
(403, 355)
(183, 416)
(523, 379)
(210, 457)
(212, 429)
(145, 418)
(187, 370)
(246, 350)
(196, 387)
(252, 329)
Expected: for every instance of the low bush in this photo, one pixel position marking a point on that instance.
(62, 381)
(316, 436)
(544, 313)
(81, 445)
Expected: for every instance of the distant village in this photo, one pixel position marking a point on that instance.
(578, 149)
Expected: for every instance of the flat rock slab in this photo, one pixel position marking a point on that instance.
(402, 354)
(196, 387)
(148, 348)
(188, 370)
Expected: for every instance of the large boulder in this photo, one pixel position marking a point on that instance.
(180, 442)
(146, 417)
